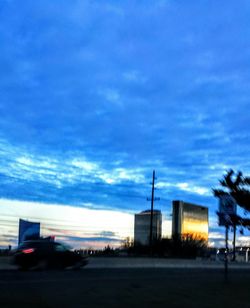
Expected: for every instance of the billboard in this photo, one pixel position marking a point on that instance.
(28, 230)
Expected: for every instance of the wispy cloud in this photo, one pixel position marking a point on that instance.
(112, 96)
(187, 187)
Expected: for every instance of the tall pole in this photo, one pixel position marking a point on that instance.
(226, 254)
(151, 214)
(234, 239)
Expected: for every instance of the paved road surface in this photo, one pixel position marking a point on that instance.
(125, 287)
(116, 262)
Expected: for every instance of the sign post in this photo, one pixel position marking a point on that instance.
(226, 254)
(227, 207)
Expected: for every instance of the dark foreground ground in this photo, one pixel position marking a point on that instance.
(125, 288)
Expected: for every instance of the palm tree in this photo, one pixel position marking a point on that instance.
(237, 186)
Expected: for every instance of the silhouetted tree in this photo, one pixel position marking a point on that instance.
(185, 246)
(128, 243)
(236, 185)
(188, 246)
(108, 250)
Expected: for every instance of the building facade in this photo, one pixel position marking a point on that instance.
(142, 227)
(189, 219)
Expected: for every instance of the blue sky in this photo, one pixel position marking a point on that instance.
(97, 94)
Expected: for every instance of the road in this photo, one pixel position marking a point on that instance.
(125, 287)
(138, 262)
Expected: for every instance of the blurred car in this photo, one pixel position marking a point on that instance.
(40, 254)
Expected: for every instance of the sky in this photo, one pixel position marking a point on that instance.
(95, 95)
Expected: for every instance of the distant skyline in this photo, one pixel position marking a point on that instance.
(95, 95)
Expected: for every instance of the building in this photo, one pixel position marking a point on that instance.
(189, 219)
(142, 227)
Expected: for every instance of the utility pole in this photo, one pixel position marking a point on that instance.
(152, 211)
(152, 199)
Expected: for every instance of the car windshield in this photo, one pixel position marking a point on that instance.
(61, 247)
(67, 247)
(27, 244)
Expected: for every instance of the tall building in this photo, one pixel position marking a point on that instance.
(189, 219)
(142, 227)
